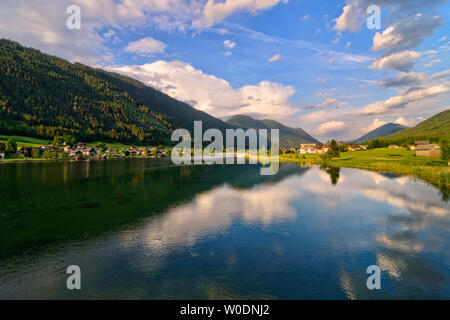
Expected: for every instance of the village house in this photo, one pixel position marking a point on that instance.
(90, 152)
(412, 147)
(429, 150)
(142, 151)
(49, 148)
(422, 143)
(68, 149)
(321, 150)
(75, 153)
(393, 146)
(354, 147)
(307, 148)
(81, 145)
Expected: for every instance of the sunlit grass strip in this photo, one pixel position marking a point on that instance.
(399, 162)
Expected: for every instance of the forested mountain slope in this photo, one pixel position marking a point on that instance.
(44, 96)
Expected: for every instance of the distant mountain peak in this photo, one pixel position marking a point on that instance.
(289, 137)
(382, 131)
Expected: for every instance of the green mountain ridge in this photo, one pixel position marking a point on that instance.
(435, 129)
(43, 96)
(289, 137)
(382, 131)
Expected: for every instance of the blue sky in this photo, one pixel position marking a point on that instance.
(308, 64)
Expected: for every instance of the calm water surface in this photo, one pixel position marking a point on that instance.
(145, 229)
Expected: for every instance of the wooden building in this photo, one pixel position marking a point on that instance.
(429, 150)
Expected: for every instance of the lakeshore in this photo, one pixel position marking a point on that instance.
(384, 160)
(24, 149)
(397, 161)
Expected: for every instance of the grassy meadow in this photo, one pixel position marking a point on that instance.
(25, 141)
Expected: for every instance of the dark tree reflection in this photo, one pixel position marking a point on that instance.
(333, 172)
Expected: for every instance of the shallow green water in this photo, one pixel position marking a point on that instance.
(145, 229)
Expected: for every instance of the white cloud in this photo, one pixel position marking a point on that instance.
(400, 61)
(407, 33)
(432, 63)
(405, 98)
(329, 102)
(211, 94)
(441, 75)
(332, 126)
(354, 14)
(275, 58)
(146, 46)
(404, 79)
(41, 24)
(376, 124)
(421, 101)
(404, 122)
(326, 94)
(414, 78)
(214, 12)
(229, 44)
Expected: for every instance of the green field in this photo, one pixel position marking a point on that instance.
(25, 141)
(396, 161)
(35, 142)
